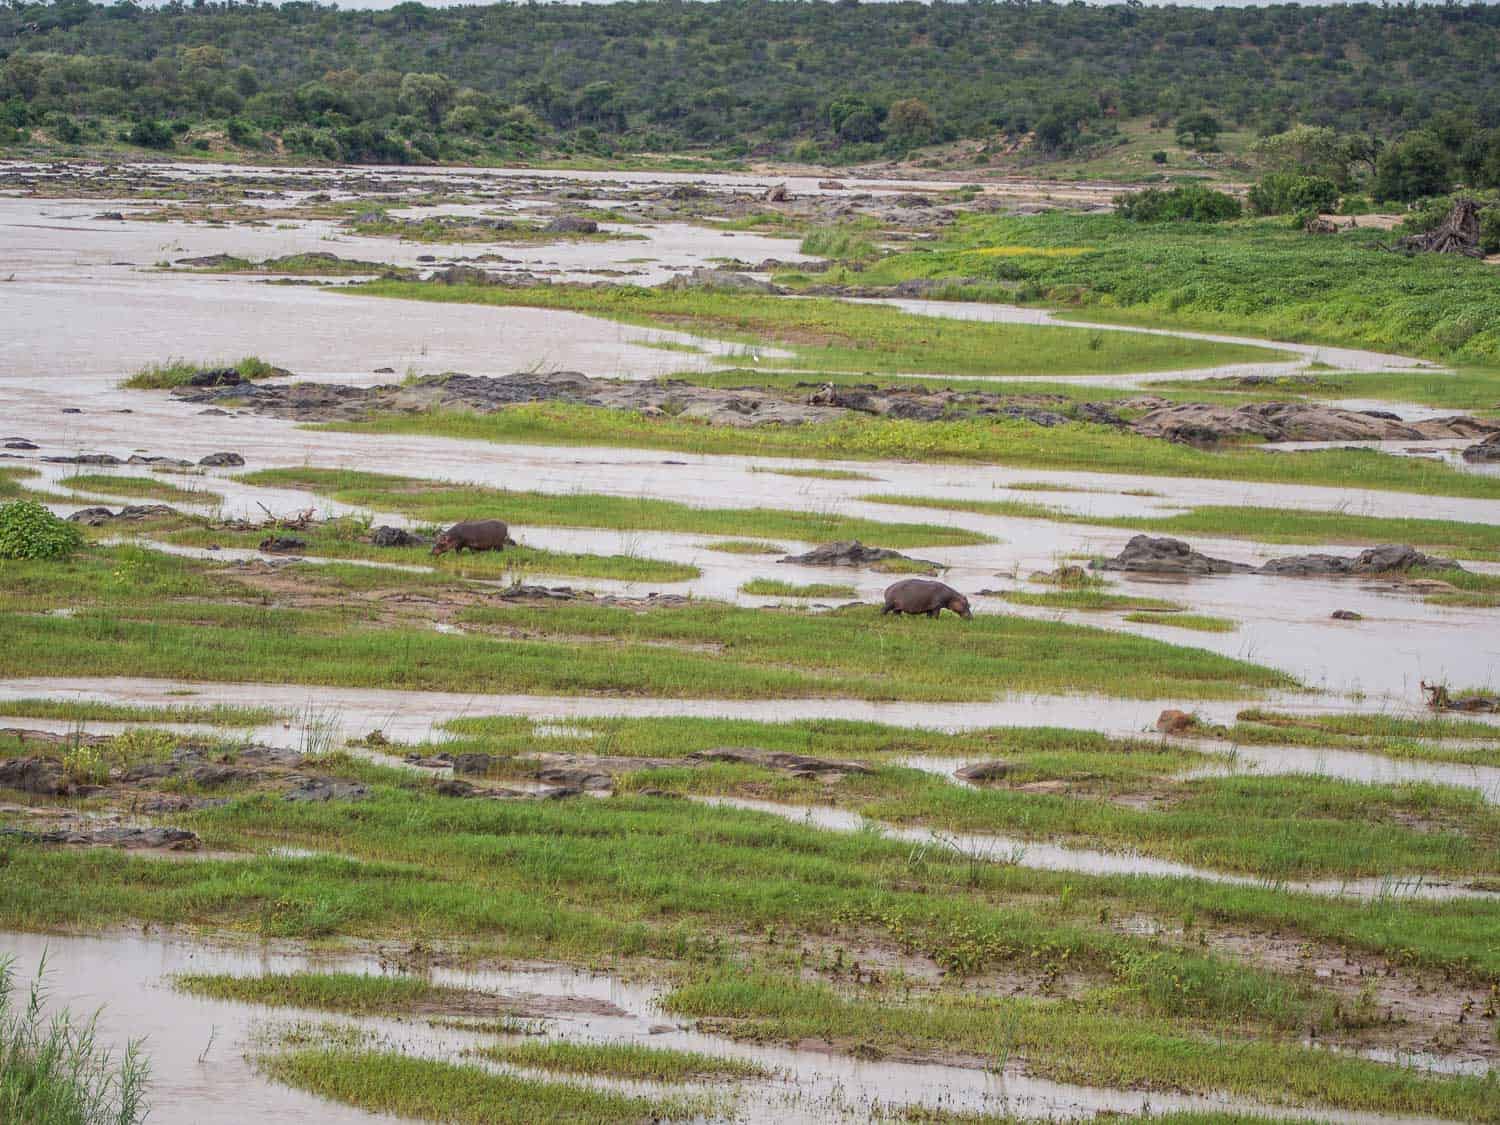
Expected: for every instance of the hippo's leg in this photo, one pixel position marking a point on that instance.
(935, 612)
(887, 608)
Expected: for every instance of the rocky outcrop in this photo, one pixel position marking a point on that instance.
(1146, 554)
(274, 544)
(1391, 558)
(326, 789)
(222, 460)
(97, 517)
(43, 776)
(851, 552)
(1198, 423)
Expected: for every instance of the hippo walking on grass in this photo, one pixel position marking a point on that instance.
(922, 595)
(475, 535)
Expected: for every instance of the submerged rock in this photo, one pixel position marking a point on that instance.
(1390, 558)
(218, 460)
(572, 224)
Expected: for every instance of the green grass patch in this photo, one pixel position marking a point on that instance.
(116, 484)
(817, 474)
(771, 587)
(626, 1061)
(442, 502)
(177, 372)
(1423, 739)
(356, 993)
(836, 335)
(745, 547)
(385, 1082)
(1199, 622)
(1256, 277)
(86, 710)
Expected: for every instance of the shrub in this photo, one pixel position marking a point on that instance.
(1193, 203)
(1159, 157)
(29, 531)
(150, 134)
(1282, 193)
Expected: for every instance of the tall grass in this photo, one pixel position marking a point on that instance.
(176, 372)
(53, 1071)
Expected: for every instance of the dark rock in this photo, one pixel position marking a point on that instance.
(216, 377)
(1487, 450)
(452, 787)
(71, 410)
(211, 775)
(851, 553)
(777, 194)
(21, 443)
(93, 517)
(272, 544)
(326, 789)
(1146, 554)
(43, 776)
(146, 511)
(110, 216)
(171, 839)
(1346, 615)
(386, 536)
(214, 411)
(85, 459)
(1099, 414)
(572, 224)
(479, 764)
(983, 771)
(219, 460)
(426, 257)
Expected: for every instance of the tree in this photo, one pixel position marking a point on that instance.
(1198, 130)
(426, 95)
(1416, 166)
(910, 122)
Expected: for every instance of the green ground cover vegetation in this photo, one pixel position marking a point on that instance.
(837, 335)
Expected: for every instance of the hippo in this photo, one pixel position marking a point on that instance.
(922, 595)
(476, 535)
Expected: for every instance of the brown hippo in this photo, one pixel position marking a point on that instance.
(922, 595)
(476, 535)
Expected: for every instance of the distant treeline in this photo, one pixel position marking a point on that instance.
(737, 77)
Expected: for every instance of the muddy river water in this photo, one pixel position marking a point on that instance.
(85, 303)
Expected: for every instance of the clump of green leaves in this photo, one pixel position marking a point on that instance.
(29, 531)
(1190, 204)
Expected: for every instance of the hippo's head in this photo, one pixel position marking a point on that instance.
(445, 542)
(960, 605)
